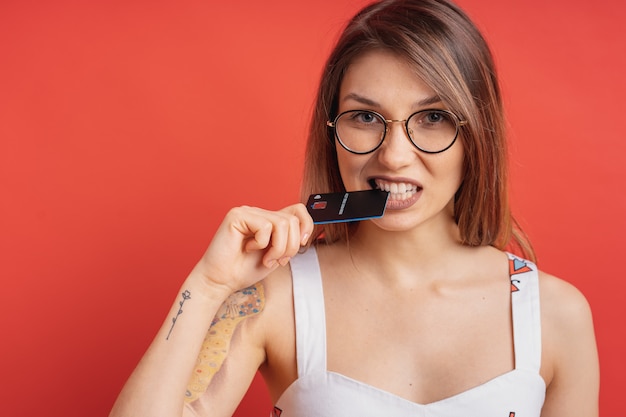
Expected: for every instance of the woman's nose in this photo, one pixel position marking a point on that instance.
(397, 149)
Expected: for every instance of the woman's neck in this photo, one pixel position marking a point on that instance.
(426, 251)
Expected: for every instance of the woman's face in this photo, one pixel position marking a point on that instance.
(422, 185)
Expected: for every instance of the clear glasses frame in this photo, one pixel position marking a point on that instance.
(457, 122)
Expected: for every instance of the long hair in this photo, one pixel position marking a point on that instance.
(446, 50)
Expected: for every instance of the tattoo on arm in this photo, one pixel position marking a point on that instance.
(238, 307)
(186, 296)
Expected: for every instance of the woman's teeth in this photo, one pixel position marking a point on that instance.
(397, 190)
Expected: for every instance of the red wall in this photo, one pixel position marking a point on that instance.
(128, 128)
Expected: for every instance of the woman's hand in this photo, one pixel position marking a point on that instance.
(252, 242)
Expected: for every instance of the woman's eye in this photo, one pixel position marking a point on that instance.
(365, 117)
(434, 120)
(434, 117)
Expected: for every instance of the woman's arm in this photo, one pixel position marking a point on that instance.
(570, 350)
(248, 245)
(157, 386)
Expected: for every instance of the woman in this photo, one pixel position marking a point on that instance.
(419, 312)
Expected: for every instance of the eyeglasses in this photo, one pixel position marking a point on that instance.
(363, 131)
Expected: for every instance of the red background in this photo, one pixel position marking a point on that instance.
(128, 128)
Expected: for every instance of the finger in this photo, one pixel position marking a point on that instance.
(293, 240)
(279, 241)
(261, 235)
(305, 221)
(252, 226)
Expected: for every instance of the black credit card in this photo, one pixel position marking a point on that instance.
(347, 206)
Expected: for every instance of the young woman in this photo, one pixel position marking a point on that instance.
(417, 313)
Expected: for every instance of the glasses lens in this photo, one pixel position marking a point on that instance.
(360, 131)
(432, 130)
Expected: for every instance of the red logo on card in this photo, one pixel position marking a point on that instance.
(319, 205)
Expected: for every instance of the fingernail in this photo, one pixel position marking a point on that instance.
(271, 263)
(284, 260)
(305, 237)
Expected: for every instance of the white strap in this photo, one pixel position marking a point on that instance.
(308, 300)
(526, 313)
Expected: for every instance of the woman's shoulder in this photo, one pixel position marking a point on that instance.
(562, 301)
(565, 311)
(566, 326)
(278, 285)
(278, 313)
(569, 351)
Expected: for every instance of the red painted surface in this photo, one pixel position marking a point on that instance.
(128, 128)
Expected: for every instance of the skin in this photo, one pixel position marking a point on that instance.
(409, 263)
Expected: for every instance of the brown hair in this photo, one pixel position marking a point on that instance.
(448, 52)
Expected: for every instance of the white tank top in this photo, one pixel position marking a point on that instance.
(320, 393)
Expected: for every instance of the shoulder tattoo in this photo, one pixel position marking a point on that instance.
(238, 307)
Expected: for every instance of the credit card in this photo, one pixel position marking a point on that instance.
(347, 206)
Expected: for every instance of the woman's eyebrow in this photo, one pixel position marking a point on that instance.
(429, 101)
(369, 102)
(361, 99)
